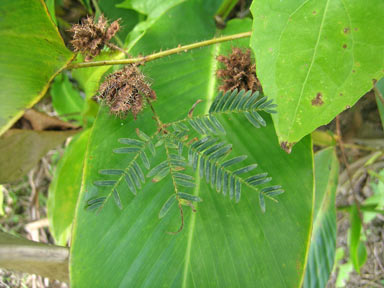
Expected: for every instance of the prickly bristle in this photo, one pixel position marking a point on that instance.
(238, 71)
(89, 37)
(124, 91)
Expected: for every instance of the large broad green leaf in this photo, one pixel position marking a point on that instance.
(64, 189)
(323, 242)
(316, 57)
(31, 54)
(223, 244)
(51, 9)
(152, 10)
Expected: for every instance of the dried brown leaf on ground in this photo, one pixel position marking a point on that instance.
(32, 136)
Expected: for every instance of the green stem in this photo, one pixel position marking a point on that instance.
(97, 8)
(161, 54)
(368, 208)
(226, 8)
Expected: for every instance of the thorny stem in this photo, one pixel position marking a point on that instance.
(161, 54)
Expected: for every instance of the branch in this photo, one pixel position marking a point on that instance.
(161, 54)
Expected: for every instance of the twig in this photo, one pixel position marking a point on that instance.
(344, 160)
(161, 54)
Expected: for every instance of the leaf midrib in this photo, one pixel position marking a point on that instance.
(309, 70)
(210, 96)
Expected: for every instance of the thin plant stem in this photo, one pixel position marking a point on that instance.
(161, 54)
(350, 178)
(156, 117)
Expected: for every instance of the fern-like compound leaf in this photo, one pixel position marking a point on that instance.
(145, 160)
(96, 203)
(111, 172)
(105, 183)
(116, 196)
(156, 170)
(126, 150)
(205, 153)
(167, 206)
(208, 154)
(133, 174)
(189, 197)
(132, 142)
(246, 103)
(130, 184)
(262, 202)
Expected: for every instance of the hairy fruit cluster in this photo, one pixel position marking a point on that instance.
(239, 71)
(123, 91)
(89, 38)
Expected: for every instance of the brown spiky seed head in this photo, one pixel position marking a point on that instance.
(124, 91)
(89, 37)
(239, 71)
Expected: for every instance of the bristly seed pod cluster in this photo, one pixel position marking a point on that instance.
(123, 91)
(239, 71)
(89, 38)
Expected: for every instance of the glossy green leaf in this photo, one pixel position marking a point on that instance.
(167, 205)
(51, 9)
(66, 100)
(223, 244)
(31, 54)
(149, 11)
(316, 57)
(151, 8)
(323, 241)
(64, 189)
